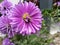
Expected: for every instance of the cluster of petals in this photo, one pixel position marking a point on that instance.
(19, 18)
(23, 18)
(58, 3)
(5, 27)
(7, 41)
(27, 18)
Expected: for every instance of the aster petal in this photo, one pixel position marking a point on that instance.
(37, 16)
(21, 5)
(1, 26)
(15, 15)
(33, 29)
(37, 24)
(29, 30)
(23, 28)
(15, 19)
(38, 21)
(17, 11)
(25, 6)
(36, 28)
(31, 7)
(34, 12)
(11, 33)
(19, 27)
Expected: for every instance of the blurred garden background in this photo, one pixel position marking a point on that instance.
(50, 31)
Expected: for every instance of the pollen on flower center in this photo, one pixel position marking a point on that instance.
(26, 17)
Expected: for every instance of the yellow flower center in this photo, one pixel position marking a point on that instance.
(26, 17)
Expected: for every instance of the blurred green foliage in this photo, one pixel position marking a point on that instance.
(0, 0)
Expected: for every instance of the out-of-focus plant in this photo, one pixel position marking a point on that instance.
(55, 15)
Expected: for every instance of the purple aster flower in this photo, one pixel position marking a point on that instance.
(6, 4)
(5, 7)
(5, 26)
(7, 41)
(58, 3)
(27, 18)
